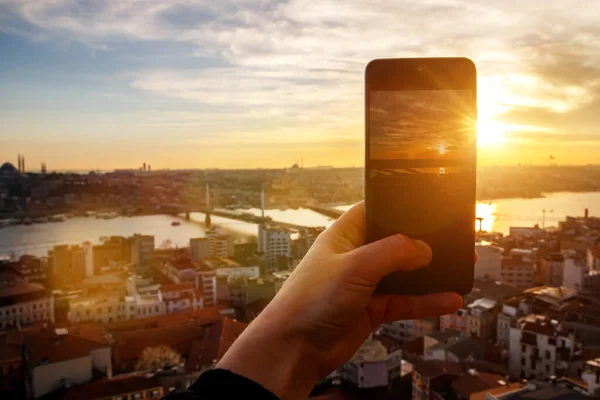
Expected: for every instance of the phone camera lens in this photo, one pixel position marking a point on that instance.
(420, 68)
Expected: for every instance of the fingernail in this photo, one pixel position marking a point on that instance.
(422, 249)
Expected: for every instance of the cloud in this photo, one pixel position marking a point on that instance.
(300, 62)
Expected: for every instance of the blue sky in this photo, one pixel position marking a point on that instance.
(259, 83)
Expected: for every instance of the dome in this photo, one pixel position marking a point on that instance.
(8, 167)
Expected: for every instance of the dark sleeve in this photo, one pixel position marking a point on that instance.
(223, 384)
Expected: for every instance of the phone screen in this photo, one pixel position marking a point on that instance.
(421, 171)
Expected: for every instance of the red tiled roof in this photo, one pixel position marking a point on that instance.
(468, 384)
(497, 391)
(435, 368)
(113, 387)
(204, 316)
(184, 264)
(215, 342)
(230, 331)
(129, 345)
(44, 345)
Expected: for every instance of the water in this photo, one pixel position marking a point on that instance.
(498, 216)
(37, 239)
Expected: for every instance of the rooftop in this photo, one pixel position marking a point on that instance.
(47, 346)
(120, 385)
(474, 381)
(435, 368)
(497, 391)
(221, 262)
(21, 293)
(545, 391)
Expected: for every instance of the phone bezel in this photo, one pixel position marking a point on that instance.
(409, 74)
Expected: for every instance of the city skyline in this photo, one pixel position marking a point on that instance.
(250, 84)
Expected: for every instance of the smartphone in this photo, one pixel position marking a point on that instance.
(421, 150)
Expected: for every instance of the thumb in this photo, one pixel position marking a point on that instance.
(375, 260)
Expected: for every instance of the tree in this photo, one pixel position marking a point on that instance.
(153, 358)
(166, 244)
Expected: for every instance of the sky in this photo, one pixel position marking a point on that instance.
(103, 84)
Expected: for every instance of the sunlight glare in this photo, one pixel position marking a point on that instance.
(486, 211)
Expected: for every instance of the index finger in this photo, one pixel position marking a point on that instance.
(348, 231)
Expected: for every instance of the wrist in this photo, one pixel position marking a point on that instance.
(281, 364)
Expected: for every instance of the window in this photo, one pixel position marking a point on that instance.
(548, 355)
(523, 348)
(523, 362)
(547, 368)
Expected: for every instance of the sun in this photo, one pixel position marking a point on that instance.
(490, 132)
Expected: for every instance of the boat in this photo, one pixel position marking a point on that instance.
(27, 221)
(175, 223)
(41, 220)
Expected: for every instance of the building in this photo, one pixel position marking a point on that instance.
(72, 263)
(551, 269)
(481, 320)
(533, 389)
(182, 297)
(488, 260)
(408, 330)
(113, 250)
(575, 272)
(141, 248)
(32, 269)
(525, 232)
(593, 257)
(138, 387)
(244, 291)
(228, 267)
(274, 243)
(199, 273)
(474, 381)
(56, 359)
(457, 349)
(61, 261)
(199, 248)
(518, 269)
(23, 304)
(112, 307)
(220, 244)
(540, 348)
(433, 379)
(376, 363)
(457, 321)
(206, 280)
(591, 376)
(306, 238)
(507, 319)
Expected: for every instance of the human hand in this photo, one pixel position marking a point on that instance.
(327, 308)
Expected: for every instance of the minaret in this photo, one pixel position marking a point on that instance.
(207, 217)
(19, 162)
